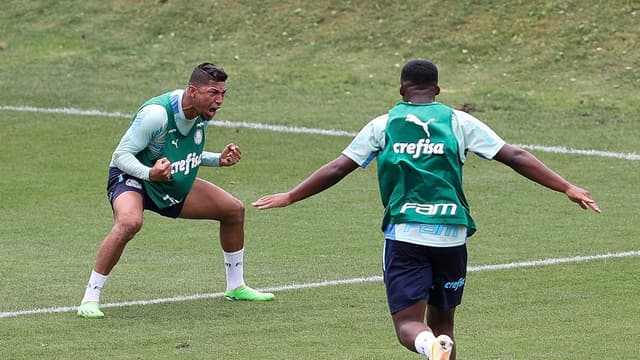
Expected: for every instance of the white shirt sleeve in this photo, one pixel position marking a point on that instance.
(472, 135)
(366, 145)
(475, 136)
(149, 126)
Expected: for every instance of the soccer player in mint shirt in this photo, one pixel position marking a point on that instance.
(155, 167)
(421, 146)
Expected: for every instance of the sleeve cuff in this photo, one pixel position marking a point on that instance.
(210, 159)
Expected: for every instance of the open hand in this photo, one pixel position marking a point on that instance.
(582, 198)
(272, 201)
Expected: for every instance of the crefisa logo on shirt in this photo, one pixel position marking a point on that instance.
(423, 146)
(192, 161)
(197, 137)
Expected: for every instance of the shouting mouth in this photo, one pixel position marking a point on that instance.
(211, 112)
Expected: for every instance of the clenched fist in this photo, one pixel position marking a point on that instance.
(161, 170)
(230, 155)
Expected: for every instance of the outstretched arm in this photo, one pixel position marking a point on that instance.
(530, 167)
(322, 179)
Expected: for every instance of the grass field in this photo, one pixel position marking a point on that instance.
(553, 75)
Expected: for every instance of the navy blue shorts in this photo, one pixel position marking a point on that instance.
(119, 182)
(415, 272)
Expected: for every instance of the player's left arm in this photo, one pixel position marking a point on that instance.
(230, 155)
(477, 137)
(527, 165)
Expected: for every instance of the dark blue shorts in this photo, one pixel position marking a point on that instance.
(119, 182)
(415, 272)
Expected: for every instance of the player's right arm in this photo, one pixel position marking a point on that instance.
(147, 130)
(363, 148)
(322, 179)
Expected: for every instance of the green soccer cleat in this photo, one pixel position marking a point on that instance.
(90, 310)
(245, 293)
(441, 348)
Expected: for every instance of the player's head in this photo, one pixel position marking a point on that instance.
(206, 90)
(419, 75)
(419, 72)
(206, 72)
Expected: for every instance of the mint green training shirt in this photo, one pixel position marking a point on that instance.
(184, 152)
(148, 132)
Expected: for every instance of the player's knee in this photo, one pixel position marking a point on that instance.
(128, 228)
(234, 212)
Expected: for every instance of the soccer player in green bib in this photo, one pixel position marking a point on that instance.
(421, 146)
(155, 167)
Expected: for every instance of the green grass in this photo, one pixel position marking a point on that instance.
(552, 73)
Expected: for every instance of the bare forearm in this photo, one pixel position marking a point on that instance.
(536, 171)
(530, 167)
(322, 179)
(533, 169)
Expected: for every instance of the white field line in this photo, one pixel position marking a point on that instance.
(480, 268)
(305, 130)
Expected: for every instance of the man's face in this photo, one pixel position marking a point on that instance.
(207, 99)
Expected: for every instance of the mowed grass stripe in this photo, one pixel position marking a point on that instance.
(181, 298)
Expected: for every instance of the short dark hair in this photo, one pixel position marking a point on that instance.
(206, 72)
(419, 72)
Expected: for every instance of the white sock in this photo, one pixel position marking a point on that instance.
(92, 292)
(423, 342)
(233, 264)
